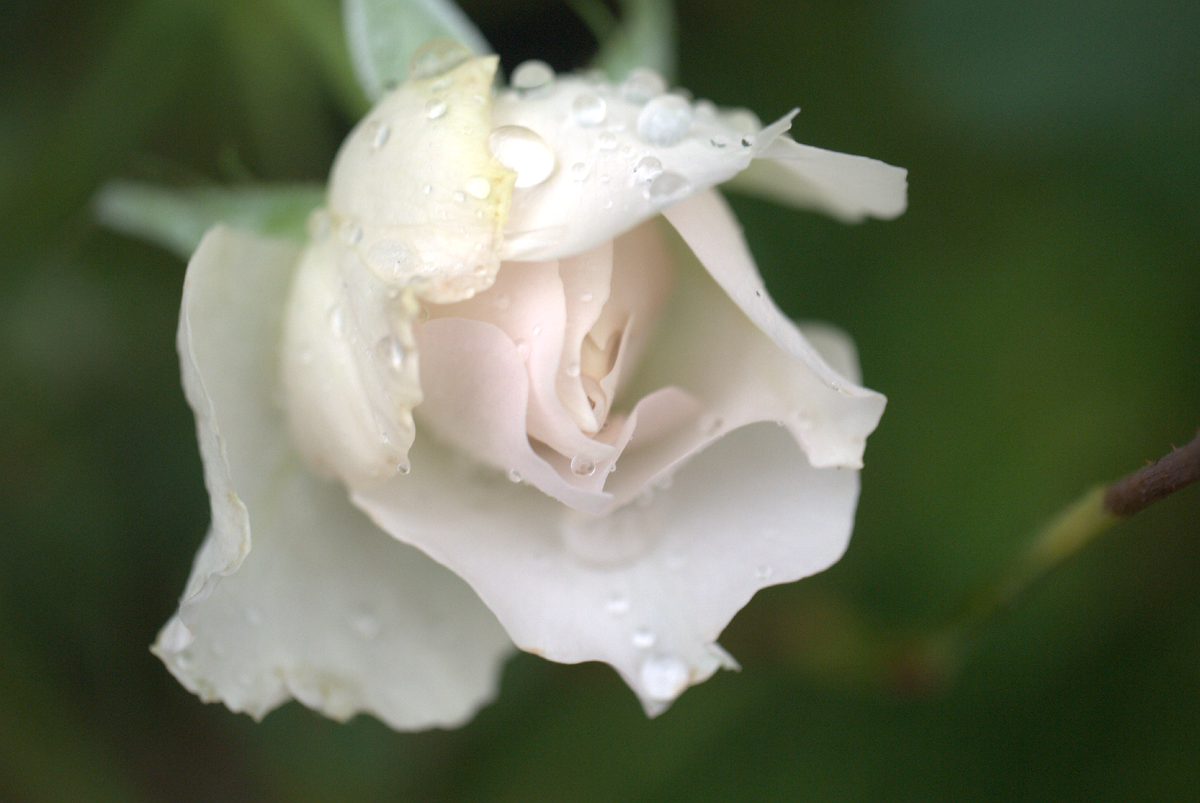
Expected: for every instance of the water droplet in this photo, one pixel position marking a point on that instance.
(351, 232)
(586, 297)
(718, 142)
(641, 85)
(176, 637)
(522, 349)
(390, 352)
(589, 109)
(479, 187)
(579, 171)
(437, 57)
(426, 188)
(617, 604)
(364, 625)
(337, 321)
(404, 468)
(582, 467)
(763, 572)
(606, 140)
(459, 196)
(667, 187)
(378, 133)
(435, 109)
(663, 678)
(384, 438)
(523, 152)
(643, 639)
(748, 141)
(665, 120)
(514, 475)
(537, 330)
(647, 169)
(573, 370)
(531, 75)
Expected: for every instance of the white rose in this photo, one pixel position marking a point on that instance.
(500, 352)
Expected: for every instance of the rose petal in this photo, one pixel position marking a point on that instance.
(616, 172)
(647, 588)
(325, 608)
(731, 366)
(477, 390)
(416, 193)
(349, 367)
(849, 188)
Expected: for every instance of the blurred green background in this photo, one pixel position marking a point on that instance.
(1034, 319)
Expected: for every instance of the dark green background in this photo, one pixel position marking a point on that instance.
(1034, 319)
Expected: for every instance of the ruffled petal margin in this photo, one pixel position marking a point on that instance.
(324, 608)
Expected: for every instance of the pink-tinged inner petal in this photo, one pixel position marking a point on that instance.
(577, 324)
(476, 393)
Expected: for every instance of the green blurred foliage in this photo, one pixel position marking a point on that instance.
(1033, 319)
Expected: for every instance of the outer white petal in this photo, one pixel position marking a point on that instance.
(849, 188)
(826, 411)
(325, 608)
(647, 588)
(609, 171)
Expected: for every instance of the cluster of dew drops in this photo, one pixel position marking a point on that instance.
(665, 119)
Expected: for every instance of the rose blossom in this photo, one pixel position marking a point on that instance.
(527, 341)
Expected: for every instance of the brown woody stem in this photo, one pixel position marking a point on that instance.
(1161, 478)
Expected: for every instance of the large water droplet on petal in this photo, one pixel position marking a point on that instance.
(582, 466)
(531, 75)
(663, 678)
(437, 57)
(589, 109)
(665, 120)
(641, 85)
(523, 152)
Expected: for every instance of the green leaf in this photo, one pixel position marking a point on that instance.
(176, 219)
(384, 34)
(645, 38)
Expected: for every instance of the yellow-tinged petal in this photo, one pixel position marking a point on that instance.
(416, 192)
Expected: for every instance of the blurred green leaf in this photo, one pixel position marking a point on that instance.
(384, 34)
(177, 219)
